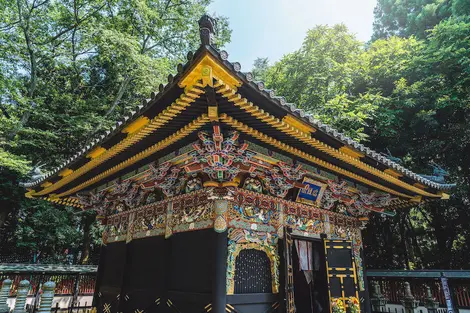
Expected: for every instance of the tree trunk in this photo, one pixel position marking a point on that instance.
(415, 245)
(24, 20)
(87, 220)
(406, 257)
(442, 237)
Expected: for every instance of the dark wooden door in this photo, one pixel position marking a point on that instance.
(341, 270)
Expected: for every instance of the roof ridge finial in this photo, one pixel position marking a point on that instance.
(207, 30)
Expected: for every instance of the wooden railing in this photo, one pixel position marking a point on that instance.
(391, 284)
(70, 279)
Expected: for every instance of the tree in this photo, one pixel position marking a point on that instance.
(429, 114)
(414, 17)
(321, 76)
(406, 18)
(260, 69)
(70, 68)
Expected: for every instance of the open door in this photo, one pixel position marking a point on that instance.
(289, 277)
(341, 270)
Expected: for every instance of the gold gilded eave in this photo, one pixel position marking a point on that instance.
(282, 146)
(183, 132)
(351, 152)
(295, 122)
(204, 70)
(140, 122)
(444, 196)
(393, 173)
(93, 154)
(65, 172)
(219, 72)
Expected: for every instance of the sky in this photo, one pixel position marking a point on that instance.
(272, 28)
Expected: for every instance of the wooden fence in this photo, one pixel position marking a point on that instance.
(392, 285)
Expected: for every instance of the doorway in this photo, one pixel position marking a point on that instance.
(310, 276)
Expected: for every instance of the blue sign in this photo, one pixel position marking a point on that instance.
(312, 191)
(446, 289)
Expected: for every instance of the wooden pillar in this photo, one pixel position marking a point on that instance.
(4, 293)
(219, 289)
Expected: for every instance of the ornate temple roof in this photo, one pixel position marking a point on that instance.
(172, 115)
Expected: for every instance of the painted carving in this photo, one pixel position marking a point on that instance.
(219, 159)
(340, 197)
(218, 156)
(220, 222)
(193, 184)
(254, 211)
(150, 221)
(167, 177)
(118, 198)
(356, 248)
(191, 212)
(94, 201)
(253, 184)
(117, 227)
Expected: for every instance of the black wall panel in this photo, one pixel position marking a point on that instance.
(191, 267)
(144, 277)
(111, 271)
(256, 303)
(191, 262)
(158, 275)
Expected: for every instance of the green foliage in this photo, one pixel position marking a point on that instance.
(320, 78)
(13, 162)
(413, 17)
(47, 229)
(68, 70)
(260, 69)
(427, 118)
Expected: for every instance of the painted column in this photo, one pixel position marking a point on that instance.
(219, 292)
(4, 293)
(48, 290)
(23, 289)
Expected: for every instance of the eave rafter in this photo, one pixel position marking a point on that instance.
(294, 151)
(347, 156)
(183, 132)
